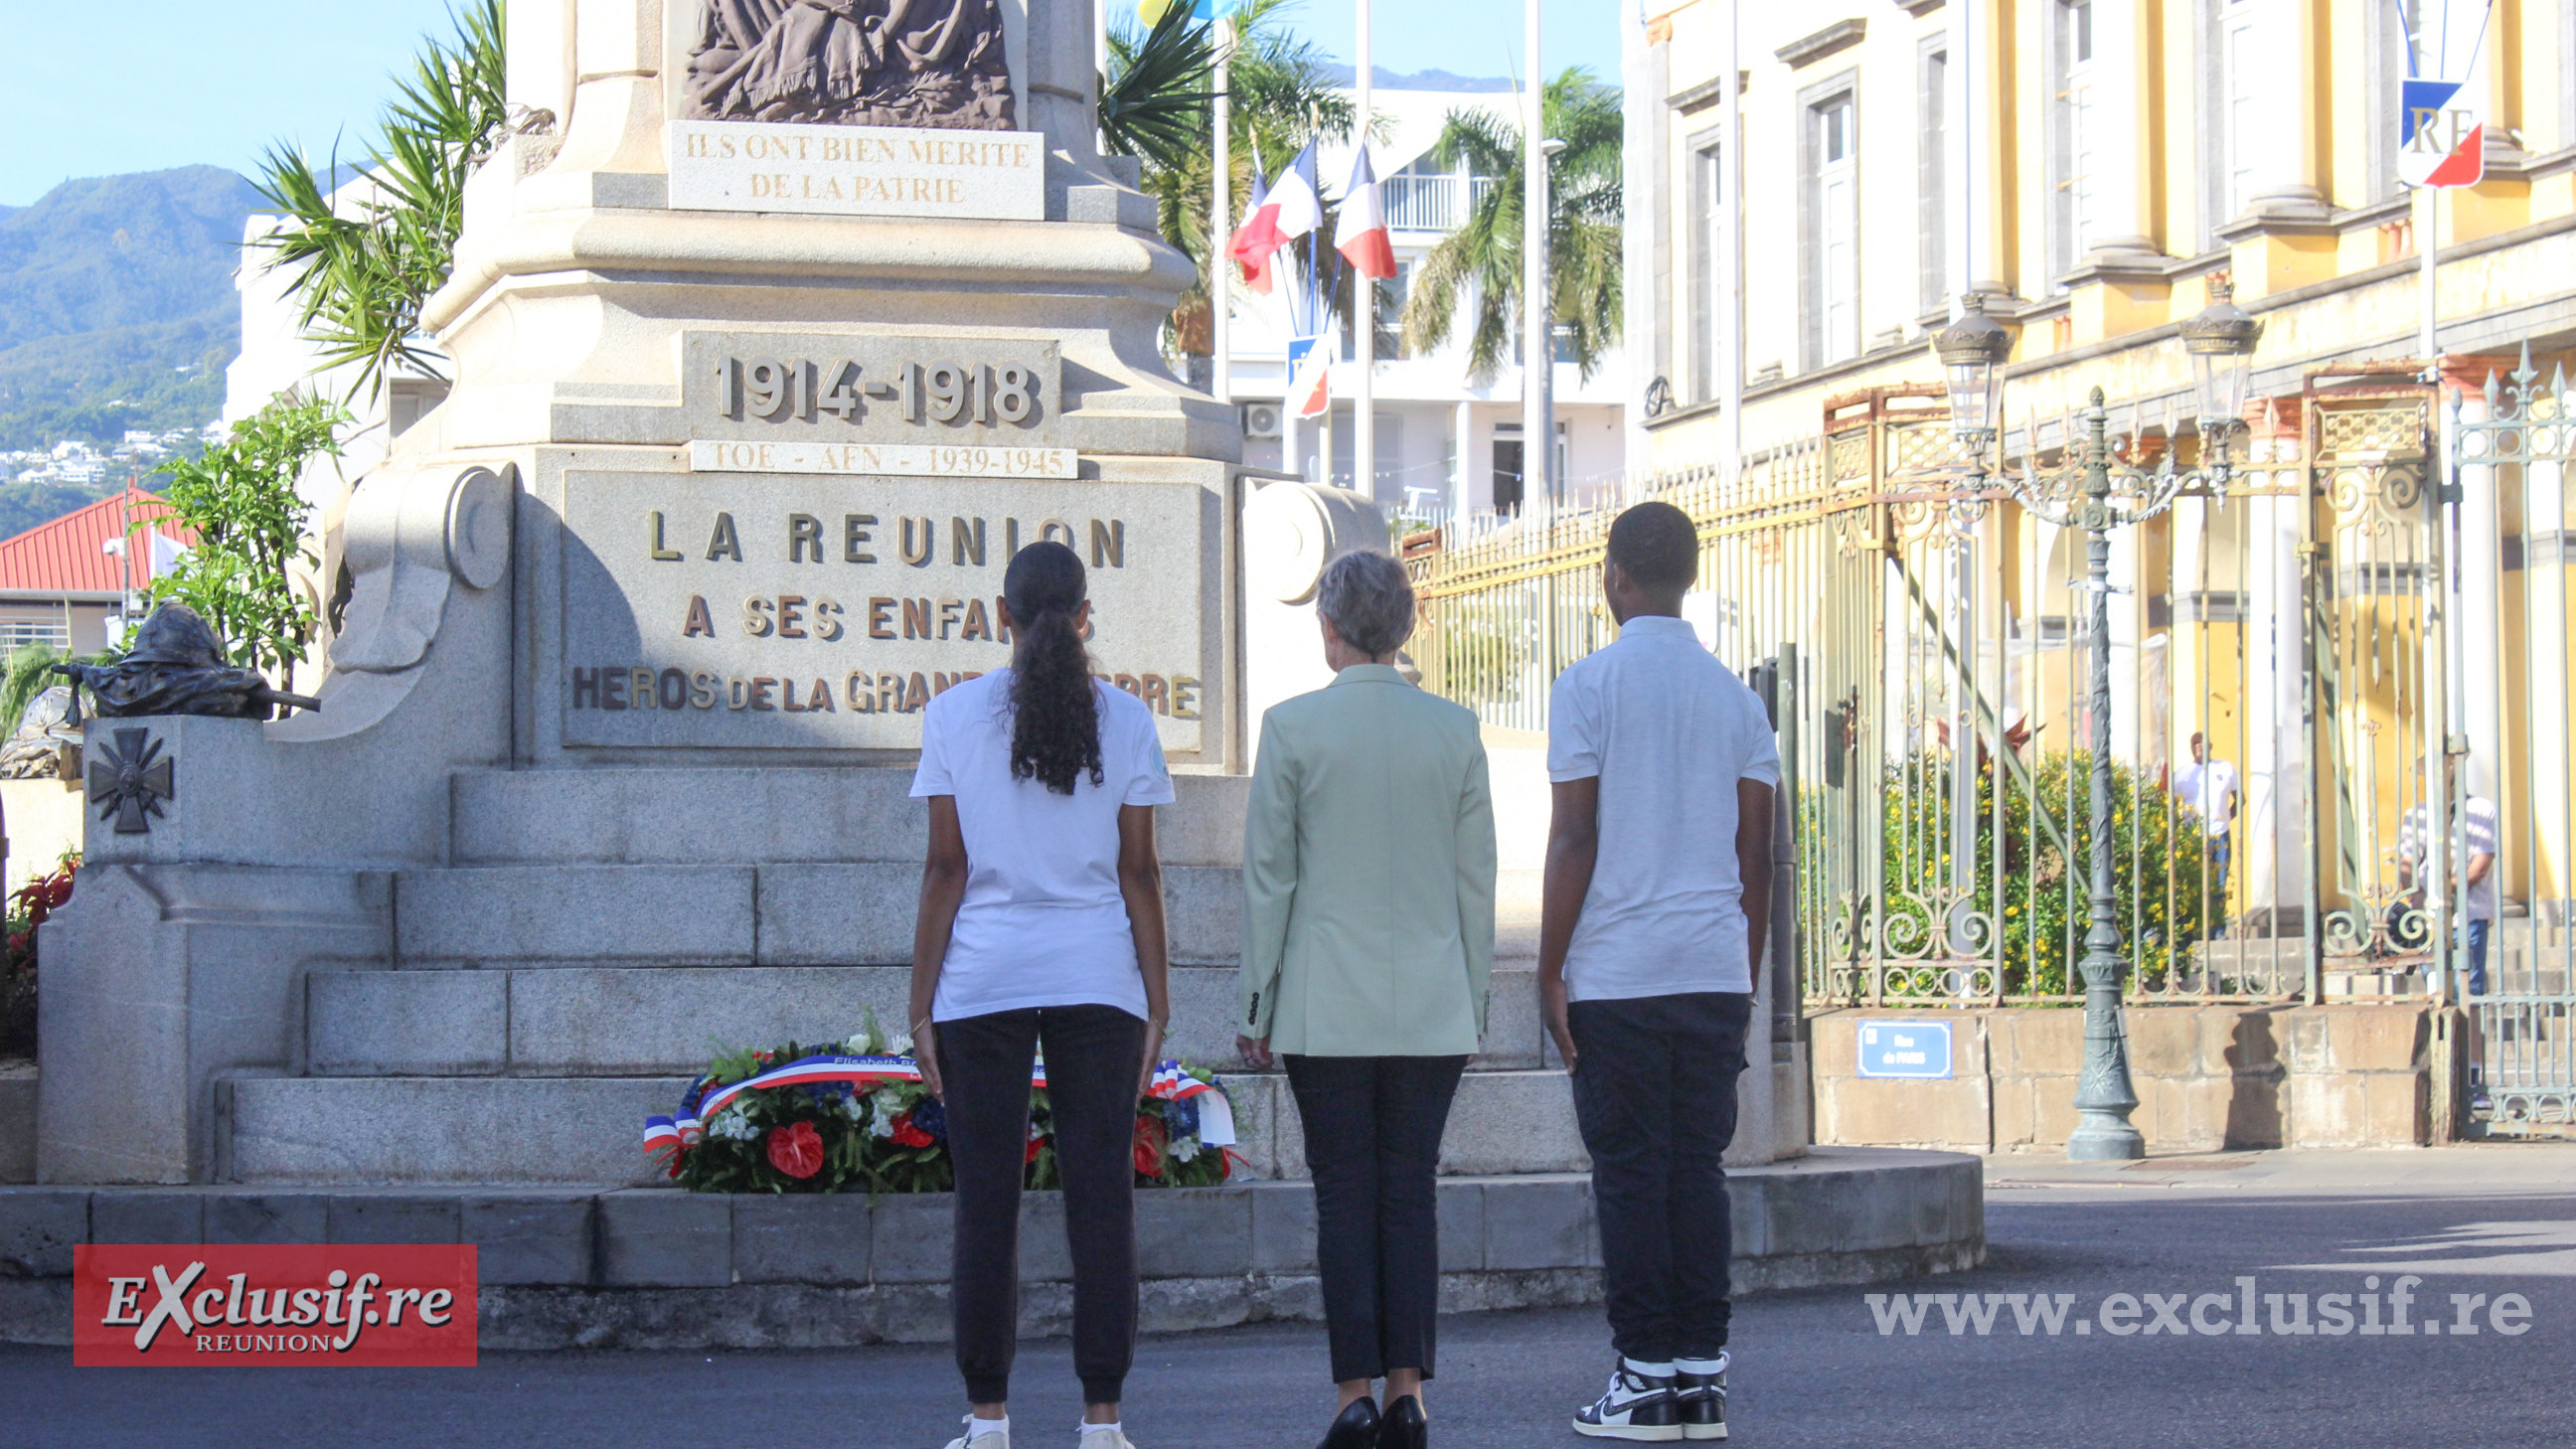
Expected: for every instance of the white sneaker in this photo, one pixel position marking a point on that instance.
(1110, 1439)
(1001, 1440)
(1636, 1406)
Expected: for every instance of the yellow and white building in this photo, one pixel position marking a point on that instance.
(2092, 165)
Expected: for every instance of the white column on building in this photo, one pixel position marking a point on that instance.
(2123, 221)
(2126, 662)
(2547, 704)
(2479, 639)
(2271, 108)
(2188, 653)
(2273, 831)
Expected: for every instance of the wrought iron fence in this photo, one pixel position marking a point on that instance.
(1937, 713)
(2510, 665)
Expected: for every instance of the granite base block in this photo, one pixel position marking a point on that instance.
(664, 1269)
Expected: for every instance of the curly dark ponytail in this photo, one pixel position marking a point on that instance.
(1055, 721)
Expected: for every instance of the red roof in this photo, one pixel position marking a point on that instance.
(66, 557)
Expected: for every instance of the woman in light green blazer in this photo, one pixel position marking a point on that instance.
(1368, 875)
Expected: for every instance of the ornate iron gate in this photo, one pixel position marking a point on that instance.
(2271, 664)
(2510, 666)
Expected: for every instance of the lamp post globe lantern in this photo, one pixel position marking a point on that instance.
(2221, 342)
(1972, 352)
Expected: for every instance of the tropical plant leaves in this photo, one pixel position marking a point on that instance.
(1477, 268)
(1280, 94)
(239, 498)
(1155, 106)
(362, 270)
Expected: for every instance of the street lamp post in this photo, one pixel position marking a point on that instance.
(2095, 492)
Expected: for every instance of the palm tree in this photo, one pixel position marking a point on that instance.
(361, 278)
(1478, 266)
(1154, 102)
(1281, 97)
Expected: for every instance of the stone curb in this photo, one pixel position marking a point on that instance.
(661, 1268)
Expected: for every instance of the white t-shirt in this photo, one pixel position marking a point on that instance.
(1669, 731)
(1042, 922)
(2210, 789)
(2473, 833)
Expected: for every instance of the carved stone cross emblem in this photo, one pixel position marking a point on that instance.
(129, 779)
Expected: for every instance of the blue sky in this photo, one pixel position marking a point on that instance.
(191, 82)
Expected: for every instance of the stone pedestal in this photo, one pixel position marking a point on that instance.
(751, 406)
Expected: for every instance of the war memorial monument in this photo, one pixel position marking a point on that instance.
(776, 330)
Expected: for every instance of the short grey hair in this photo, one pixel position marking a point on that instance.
(1369, 598)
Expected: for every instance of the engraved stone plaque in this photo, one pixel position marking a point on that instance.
(817, 387)
(730, 610)
(858, 171)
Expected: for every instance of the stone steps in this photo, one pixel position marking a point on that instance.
(660, 1269)
(669, 1020)
(800, 913)
(588, 1130)
(758, 815)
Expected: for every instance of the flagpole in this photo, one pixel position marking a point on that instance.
(1221, 223)
(1538, 450)
(1364, 303)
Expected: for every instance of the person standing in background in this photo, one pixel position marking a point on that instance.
(2474, 837)
(1041, 922)
(1657, 903)
(1368, 941)
(2209, 787)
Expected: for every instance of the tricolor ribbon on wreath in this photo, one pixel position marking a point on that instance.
(705, 1098)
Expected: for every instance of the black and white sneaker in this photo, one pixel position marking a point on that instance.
(1702, 1397)
(1636, 1406)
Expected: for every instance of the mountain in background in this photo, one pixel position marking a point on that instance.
(117, 307)
(1342, 74)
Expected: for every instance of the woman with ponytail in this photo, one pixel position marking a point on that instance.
(1041, 924)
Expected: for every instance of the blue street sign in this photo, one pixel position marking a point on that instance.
(1905, 1049)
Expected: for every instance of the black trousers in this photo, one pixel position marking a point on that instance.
(1093, 1057)
(1654, 1092)
(1373, 1128)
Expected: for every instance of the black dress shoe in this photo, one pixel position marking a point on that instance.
(1402, 1425)
(1354, 1428)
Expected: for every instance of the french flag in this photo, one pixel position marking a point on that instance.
(1289, 210)
(1360, 233)
(1257, 261)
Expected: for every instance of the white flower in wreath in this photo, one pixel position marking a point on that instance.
(734, 1123)
(860, 1044)
(884, 1106)
(901, 1046)
(855, 1107)
(1184, 1148)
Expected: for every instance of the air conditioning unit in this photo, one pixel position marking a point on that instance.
(1261, 420)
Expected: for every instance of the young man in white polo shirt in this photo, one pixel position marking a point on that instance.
(1658, 892)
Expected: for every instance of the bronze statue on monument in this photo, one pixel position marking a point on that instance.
(931, 63)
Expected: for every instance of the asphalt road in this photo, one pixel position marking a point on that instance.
(1812, 1367)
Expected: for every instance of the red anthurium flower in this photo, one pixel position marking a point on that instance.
(1149, 1146)
(796, 1149)
(908, 1135)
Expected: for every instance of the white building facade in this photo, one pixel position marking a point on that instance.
(1447, 444)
